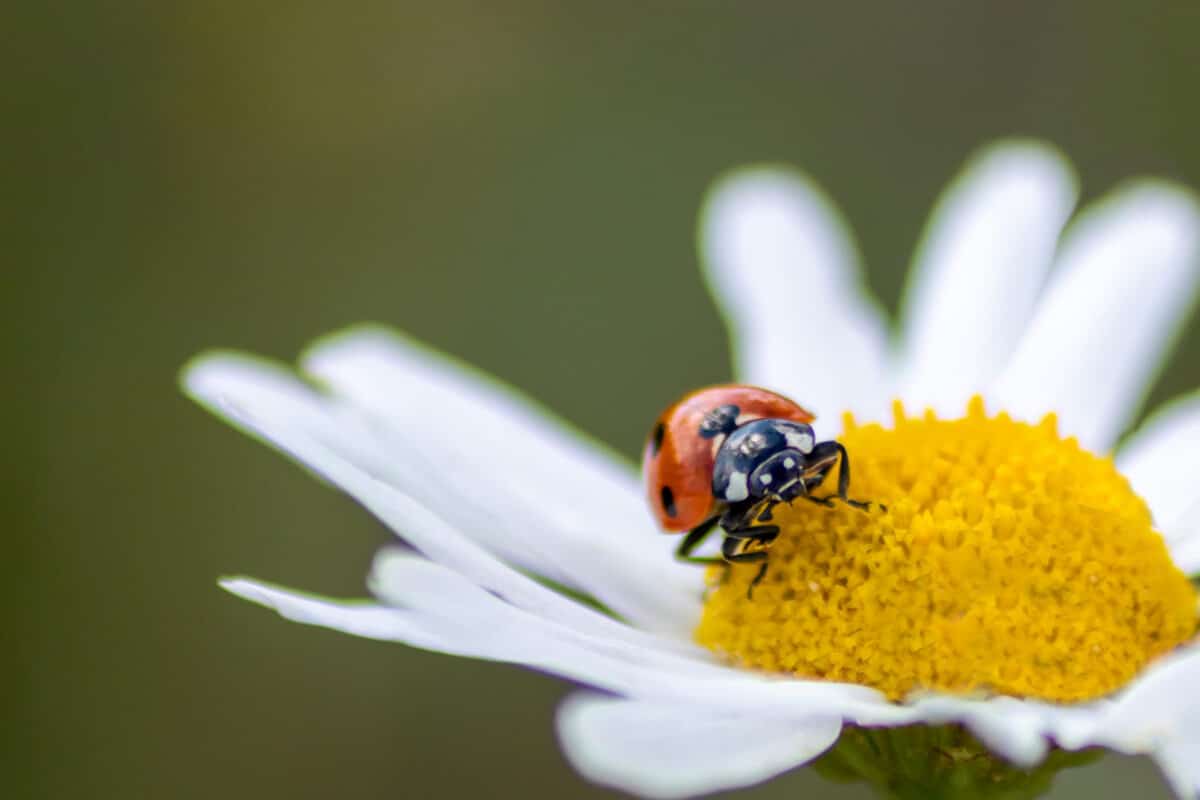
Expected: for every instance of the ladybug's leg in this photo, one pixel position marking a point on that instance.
(739, 520)
(736, 551)
(693, 539)
(734, 548)
(765, 514)
(844, 480)
(828, 448)
(753, 533)
(746, 541)
(762, 571)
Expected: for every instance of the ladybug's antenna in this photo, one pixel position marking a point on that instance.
(721, 420)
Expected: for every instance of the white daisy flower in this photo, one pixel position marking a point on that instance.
(1015, 588)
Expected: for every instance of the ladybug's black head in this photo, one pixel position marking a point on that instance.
(767, 458)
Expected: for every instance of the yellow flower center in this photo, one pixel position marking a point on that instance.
(1009, 560)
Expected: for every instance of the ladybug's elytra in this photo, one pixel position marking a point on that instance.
(725, 456)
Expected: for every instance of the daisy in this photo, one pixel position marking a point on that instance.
(1022, 598)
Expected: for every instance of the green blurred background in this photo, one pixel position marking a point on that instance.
(517, 185)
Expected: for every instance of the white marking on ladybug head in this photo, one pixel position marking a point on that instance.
(752, 444)
(737, 490)
(801, 441)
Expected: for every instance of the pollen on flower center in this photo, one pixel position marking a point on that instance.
(1009, 560)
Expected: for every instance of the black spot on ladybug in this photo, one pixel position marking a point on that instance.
(660, 431)
(668, 501)
(720, 420)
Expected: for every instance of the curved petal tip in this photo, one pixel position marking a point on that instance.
(666, 751)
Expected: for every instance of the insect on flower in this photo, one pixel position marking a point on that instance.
(725, 456)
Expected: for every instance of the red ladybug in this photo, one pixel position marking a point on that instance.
(725, 456)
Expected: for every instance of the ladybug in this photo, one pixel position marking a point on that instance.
(725, 456)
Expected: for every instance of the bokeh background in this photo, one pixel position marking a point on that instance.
(515, 183)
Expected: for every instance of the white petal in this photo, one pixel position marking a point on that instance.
(979, 270)
(783, 270)
(1126, 276)
(339, 444)
(1013, 728)
(1162, 460)
(658, 750)
(495, 465)
(1074, 727)
(1179, 759)
(409, 581)
(444, 612)
(474, 625)
(450, 615)
(635, 669)
(1160, 715)
(368, 620)
(1183, 539)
